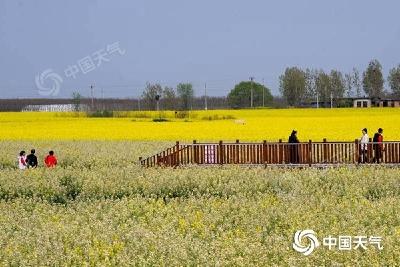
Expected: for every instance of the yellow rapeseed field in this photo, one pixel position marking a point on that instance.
(249, 125)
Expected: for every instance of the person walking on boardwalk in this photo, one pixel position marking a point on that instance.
(378, 146)
(31, 160)
(22, 160)
(293, 148)
(50, 160)
(364, 146)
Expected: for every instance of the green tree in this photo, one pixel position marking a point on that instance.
(76, 101)
(169, 98)
(292, 85)
(186, 94)
(337, 84)
(356, 79)
(373, 80)
(311, 93)
(349, 84)
(394, 80)
(323, 86)
(150, 94)
(240, 95)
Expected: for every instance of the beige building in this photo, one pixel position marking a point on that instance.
(394, 103)
(362, 103)
(367, 103)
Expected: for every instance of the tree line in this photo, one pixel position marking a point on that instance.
(244, 95)
(299, 87)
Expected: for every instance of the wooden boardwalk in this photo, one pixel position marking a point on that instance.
(272, 153)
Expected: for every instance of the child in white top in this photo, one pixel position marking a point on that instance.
(364, 146)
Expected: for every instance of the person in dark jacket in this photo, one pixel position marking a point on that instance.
(378, 145)
(293, 148)
(31, 159)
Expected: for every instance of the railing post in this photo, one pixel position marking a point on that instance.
(177, 158)
(140, 160)
(325, 151)
(280, 152)
(370, 152)
(310, 154)
(195, 148)
(264, 153)
(237, 152)
(221, 153)
(164, 160)
(356, 151)
(158, 159)
(173, 156)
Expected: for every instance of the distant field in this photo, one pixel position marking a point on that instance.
(250, 125)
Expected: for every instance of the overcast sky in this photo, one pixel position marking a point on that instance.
(120, 45)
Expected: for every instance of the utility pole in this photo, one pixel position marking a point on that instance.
(251, 92)
(92, 95)
(205, 96)
(331, 100)
(158, 102)
(317, 101)
(102, 98)
(263, 92)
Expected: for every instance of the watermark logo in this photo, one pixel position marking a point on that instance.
(341, 242)
(48, 83)
(313, 242)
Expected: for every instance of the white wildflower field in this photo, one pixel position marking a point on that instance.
(100, 207)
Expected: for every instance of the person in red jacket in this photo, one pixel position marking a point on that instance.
(378, 146)
(50, 160)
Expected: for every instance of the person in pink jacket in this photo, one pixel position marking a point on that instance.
(22, 160)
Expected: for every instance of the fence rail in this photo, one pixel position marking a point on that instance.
(276, 153)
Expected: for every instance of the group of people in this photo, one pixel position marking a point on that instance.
(377, 146)
(31, 161)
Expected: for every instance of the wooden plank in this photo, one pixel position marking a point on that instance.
(264, 152)
(356, 151)
(385, 154)
(247, 153)
(336, 153)
(392, 152)
(222, 152)
(188, 150)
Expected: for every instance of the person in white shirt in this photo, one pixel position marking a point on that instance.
(22, 160)
(364, 140)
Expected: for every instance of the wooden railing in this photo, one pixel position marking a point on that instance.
(274, 153)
